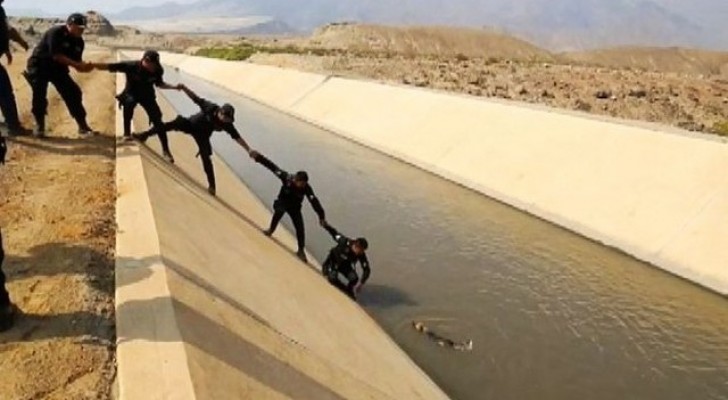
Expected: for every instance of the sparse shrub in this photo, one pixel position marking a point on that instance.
(237, 53)
(461, 57)
(721, 128)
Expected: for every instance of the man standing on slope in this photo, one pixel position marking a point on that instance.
(290, 199)
(59, 48)
(141, 78)
(8, 105)
(200, 126)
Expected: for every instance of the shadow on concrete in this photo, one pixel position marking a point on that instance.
(55, 259)
(226, 346)
(183, 179)
(98, 145)
(381, 296)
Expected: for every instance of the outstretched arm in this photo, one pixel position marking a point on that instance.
(160, 83)
(316, 204)
(14, 35)
(338, 237)
(167, 86)
(111, 67)
(202, 103)
(264, 161)
(233, 132)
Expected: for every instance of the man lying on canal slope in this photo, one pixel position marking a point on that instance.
(211, 118)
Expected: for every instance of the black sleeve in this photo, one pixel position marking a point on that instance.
(204, 104)
(364, 262)
(4, 32)
(315, 203)
(338, 237)
(232, 131)
(119, 67)
(264, 161)
(159, 77)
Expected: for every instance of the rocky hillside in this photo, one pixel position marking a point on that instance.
(672, 59)
(425, 41)
(684, 88)
(32, 28)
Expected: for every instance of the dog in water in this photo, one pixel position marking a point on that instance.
(440, 340)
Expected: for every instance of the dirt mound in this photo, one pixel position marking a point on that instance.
(99, 25)
(673, 59)
(419, 41)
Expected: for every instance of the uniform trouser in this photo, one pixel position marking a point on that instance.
(8, 106)
(68, 89)
(296, 217)
(151, 107)
(332, 272)
(204, 147)
(4, 297)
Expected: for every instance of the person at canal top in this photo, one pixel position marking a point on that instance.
(8, 105)
(59, 48)
(341, 262)
(290, 199)
(141, 78)
(7, 310)
(200, 126)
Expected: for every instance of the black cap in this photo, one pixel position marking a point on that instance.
(301, 176)
(77, 19)
(152, 56)
(228, 112)
(363, 243)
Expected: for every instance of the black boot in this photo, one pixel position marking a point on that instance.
(84, 129)
(7, 317)
(40, 129)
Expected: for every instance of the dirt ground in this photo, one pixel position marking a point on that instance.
(57, 200)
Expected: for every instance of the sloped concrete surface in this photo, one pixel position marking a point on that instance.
(253, 321)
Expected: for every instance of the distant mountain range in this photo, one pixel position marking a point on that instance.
(28, 12)
(554, 24)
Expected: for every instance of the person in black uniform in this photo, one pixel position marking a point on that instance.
(60, 47)
(342, 260)
(141, 78)
(200, 126)
(8, 105)
(7, 310)
(290, 199)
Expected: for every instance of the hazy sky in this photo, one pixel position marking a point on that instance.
(67, 6)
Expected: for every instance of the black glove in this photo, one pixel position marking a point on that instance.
(3, 150)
